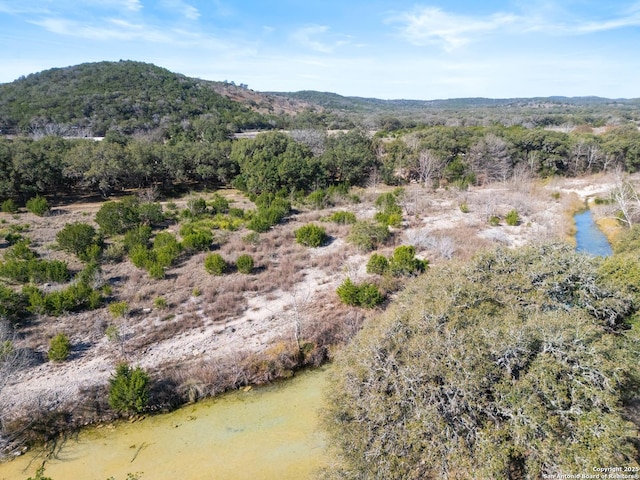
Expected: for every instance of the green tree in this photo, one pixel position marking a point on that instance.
(129, 389)
(118, 217)
(513, 365)
(59, 348)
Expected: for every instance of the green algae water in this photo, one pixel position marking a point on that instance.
(266, 433)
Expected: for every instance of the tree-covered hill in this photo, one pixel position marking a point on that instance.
(130, 96)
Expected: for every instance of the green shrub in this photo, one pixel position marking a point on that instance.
(38, 205)
(342, 218)
(404, 262)
(118, 217)
(215, 264)
(244, 263)
(160, 303)
(119, 309)
(366, 295)
(200, 240)
(494, 221)
(388, 219)
(150, 213)
(252, 238)
(114, 252)
(218, 204)
(464, 207)
(81, 239)
(512, 218)
(59, 348)
(319, 199)
(128, 389)
(311, 235)
(139, 235)
(13, 305)
(377, 264)
(196, 206)
(368, 236)
(9, 206)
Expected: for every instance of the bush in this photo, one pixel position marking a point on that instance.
(118, 217)
(244, 263)
(160, 303)
(368, 236)
(494, 221)
(512, 218)
(78, 238)
(199, 240)
(128, 389)
(389, 212)
(218, 204)
(464, 207)
(342, 218)
(150, 213)
(140, 235)
(311, 235)
(38, 205)
(215, 264)
(59, 348)
(365, 295)
(404, 262)
(196, 206)
(9, 206)
(377, 264)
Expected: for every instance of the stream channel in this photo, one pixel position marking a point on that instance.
(589, 238)
(265, 433)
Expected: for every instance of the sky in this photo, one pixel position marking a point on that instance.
(387, 49)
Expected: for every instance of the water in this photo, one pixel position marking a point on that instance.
(266, 433)
(589, 238)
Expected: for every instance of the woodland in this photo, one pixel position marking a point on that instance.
(491, 361)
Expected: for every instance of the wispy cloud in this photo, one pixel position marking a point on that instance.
(309, 37)
(110, 29)
(434, 26)
(184, 9)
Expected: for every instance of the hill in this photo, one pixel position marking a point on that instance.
(132, 96)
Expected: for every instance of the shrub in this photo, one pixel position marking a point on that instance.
(244, 263)
(140, 235)
(311, 235)
(464, 207)
(404, 262)
(215, 264)
(218, 204)
(366, 295)
(494, 221)
(38, 205)
(512, 218)
(199, 240)
(342, 218)
(119, 309)
(150, 213)
(367, 236)
(118, 217)
(377, 264)
(389, 212)
(160, 303)
(9, 206)
(59, 348)
(252, 238)
(319, 199)
(128, 389)
(196, 206)
(78, 238)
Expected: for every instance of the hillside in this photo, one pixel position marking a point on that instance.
(132, 96)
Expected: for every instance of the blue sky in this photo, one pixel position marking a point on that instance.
(371, 48)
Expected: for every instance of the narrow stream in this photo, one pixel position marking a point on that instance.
(589, 238)
(265, 433)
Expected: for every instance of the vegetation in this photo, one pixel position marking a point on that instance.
(311, 235)
(538, 394)
(367, 236)
(81, 239)
(38, 205)
(244, 263)
(129, 389)
(59, 348)
(512, 218)
(365, 295)
(215, 264)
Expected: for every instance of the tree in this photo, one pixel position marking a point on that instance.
(513, 365)
(118, 217)
(129, 389)
(59, 348)
(349, 157)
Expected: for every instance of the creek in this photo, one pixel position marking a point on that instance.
(589, 238)
(269, 432)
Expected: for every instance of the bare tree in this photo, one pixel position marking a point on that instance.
(490, 160)
(314, 139)
(626, 198)
(428, 166)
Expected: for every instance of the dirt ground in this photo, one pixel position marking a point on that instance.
(208, 318)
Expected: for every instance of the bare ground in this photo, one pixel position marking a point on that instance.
(212, 318)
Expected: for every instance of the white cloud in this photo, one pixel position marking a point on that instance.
(307, 37)
(111, 29)
(186, 10)
(432, 25)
